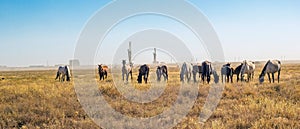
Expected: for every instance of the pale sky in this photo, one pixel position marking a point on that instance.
(34, 32)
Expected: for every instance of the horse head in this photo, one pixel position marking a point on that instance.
(261, 78)
(100, 67)
(68, 73)
(123, 62)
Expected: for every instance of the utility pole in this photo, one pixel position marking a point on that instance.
(154, 56)
(129, 54)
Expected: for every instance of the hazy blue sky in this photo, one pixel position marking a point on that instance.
(33, 32)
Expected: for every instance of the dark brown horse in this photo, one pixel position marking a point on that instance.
(102, 70)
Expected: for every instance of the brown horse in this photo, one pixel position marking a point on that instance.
(102, 70)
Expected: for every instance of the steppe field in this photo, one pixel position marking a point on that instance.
(33, 99)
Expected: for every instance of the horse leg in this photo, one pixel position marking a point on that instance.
(241, 78)
(57, 75)
(190, 76)
(208, 79)
(123, 76)
(105, 74)
(227, 78)
(194, 77)
(269, 77)
(222, 77)
(237, 77)
(273, 77)
(127, 75)
(248, 77)
(181, 77)
(59, 79)
(278, 75)
(187, 77)
(165, 76)
(145, 78)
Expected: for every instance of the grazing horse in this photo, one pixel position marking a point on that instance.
(237, 71)
(143, 71)
(227, 71)
(186, 70)
(270, 67)
(102, 70)
(196, 69)
(62, 72)
(208, 70)
(247, 68)
(126, 70)
(162, 71)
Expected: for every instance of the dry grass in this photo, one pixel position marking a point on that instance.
(33, 99)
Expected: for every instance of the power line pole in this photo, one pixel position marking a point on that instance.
(154, 56)
(129, 54)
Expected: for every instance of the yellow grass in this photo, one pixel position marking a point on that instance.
(33, 99)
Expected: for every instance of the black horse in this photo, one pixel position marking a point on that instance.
(143, 71)
(237, 71)
(227, 71)
(162, 71)
(206, 71)
(102, 70)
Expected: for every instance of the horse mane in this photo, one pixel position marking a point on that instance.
(238, 69)
(263, 72)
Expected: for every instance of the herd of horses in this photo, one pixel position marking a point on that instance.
(188, 70)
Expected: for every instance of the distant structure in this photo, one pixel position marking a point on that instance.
(154, 57)
(36, 66)
(74, 62)
(129, 55)
(3, 66)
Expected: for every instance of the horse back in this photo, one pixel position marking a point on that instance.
(105, 68)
